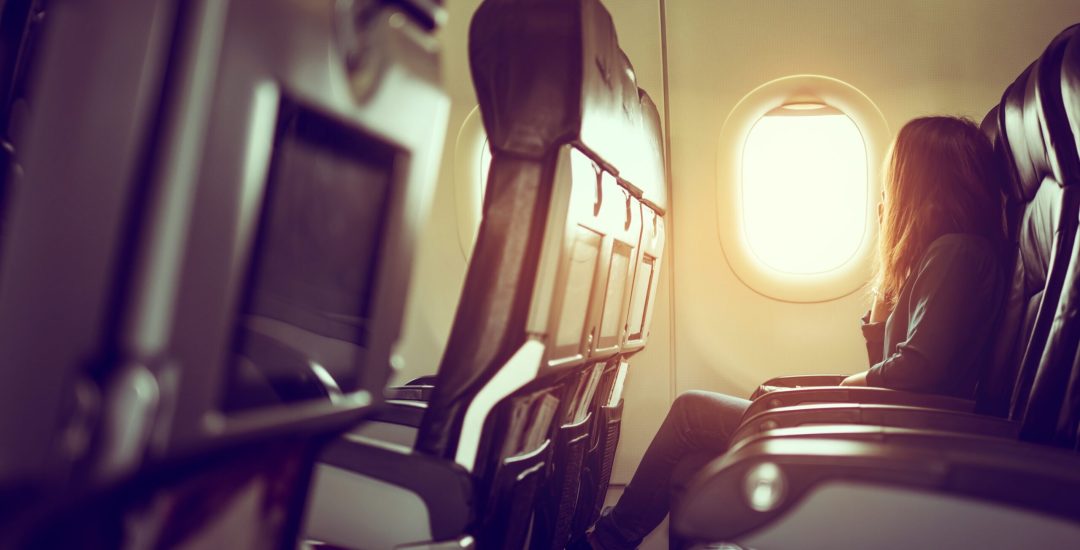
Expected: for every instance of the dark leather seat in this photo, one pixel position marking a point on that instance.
(559, 290)
(163, 395)
(21, 23)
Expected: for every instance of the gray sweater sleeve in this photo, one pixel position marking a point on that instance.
(874, 334)
(952, 292)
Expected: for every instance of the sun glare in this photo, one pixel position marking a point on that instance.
(485, 168)
(804, 191)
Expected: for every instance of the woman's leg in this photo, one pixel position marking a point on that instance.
(697, 421)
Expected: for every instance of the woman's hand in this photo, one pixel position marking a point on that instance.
(881, 309)
(857, 379)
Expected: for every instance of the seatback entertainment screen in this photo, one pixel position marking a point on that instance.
(304, 321)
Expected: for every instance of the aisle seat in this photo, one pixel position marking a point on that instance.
(208, 287)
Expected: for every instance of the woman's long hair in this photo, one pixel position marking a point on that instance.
(941, 176)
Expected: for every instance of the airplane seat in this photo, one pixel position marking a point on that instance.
(787, 474)
(558, 295)
(1039, 391)
(988, 125)
(1068, 422)
(994, 389)
(21, 25)
(585, 448)
(238, 203)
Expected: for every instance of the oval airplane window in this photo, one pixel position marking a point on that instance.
(472, 161)
(798, 174)
(803, 188)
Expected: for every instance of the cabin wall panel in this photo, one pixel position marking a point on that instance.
(439, 268)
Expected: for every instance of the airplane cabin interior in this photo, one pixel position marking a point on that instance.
(484, 274)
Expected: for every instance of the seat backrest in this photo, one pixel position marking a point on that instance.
(993, 392)
(63, 259)
(21, 23)
(1041, 243)
(1068, 422)
(1053, 159)
(556, 207)
(239, 276)
(559, 277)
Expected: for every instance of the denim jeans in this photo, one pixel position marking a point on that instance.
(697, 421)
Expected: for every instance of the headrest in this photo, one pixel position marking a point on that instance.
(1014, 140)
(645, 169)
(1034, 123)
(989, 125)
(550, 72)
(1070, 84)
(1059, 138)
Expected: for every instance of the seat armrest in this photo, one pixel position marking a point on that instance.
(790, 397)
(715, 506)
(797, 381)
(875, 415)
(443, 485)
(403, 412)
(410, 392)
(882, 434)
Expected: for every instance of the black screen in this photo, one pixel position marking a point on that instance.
(304, 324)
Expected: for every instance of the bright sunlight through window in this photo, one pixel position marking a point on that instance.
(485, 168)
(804, 189)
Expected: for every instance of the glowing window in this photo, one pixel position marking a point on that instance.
(472, 162)
(804, 189)
(485, 168)
(798, 175)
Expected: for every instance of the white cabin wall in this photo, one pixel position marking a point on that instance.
(439, 269)
(648, 389)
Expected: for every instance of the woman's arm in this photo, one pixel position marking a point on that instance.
(857, 379)
(873, 329)
(953, 296)
(881, 310)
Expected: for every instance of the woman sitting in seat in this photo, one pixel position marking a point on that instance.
(937, 295)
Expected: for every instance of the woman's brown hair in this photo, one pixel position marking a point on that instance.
(941, 176)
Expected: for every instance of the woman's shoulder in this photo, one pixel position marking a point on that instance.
(955, 261)
(963, 243)
(976, 250)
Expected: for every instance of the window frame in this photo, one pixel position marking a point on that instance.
(748, 268)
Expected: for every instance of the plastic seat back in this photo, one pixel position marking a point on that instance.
(228, 249)
(576, 175)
